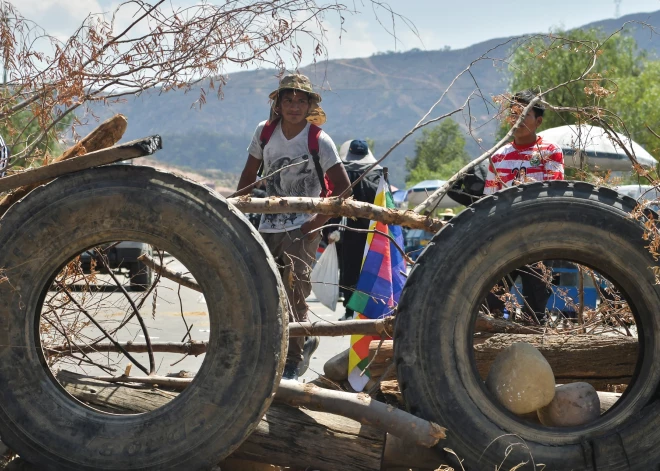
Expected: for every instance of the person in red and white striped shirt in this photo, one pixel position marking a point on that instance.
(528, 157)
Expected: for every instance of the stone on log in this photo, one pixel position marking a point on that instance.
(574, 404)
(521, 379)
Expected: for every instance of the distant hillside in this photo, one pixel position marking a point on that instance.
(379, 97)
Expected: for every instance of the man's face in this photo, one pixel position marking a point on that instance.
(529, 125)
(294, 106)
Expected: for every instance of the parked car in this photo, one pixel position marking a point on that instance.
(122, 256)
(416, 240)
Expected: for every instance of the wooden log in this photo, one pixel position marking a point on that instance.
(360, 407)
(178, 384)
(286, 436)
(298, 329)
(383, 360)
(363, 408)
(187, 348)
(105, 135)
(384, 327)
(129, 150)
(336, 207)
(596, 359)
(399, 454)
(391, 388)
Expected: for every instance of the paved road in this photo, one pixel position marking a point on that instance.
(165, 324)
(330, 346)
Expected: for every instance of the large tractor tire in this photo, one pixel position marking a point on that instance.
(435, 325)
(243, 291)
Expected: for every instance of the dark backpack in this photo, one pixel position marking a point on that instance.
(470, 188)
(312, 145)
(368, 187)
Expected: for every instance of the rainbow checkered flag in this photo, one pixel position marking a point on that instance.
(378, 288)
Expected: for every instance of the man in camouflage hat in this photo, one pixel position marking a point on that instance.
(291, 168)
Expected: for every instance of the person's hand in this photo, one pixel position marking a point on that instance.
(310, 226)
(334, 236)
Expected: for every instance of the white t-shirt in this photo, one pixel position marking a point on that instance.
(298, 180)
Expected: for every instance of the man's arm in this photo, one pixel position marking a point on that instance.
(339, 179)
(491, 184)
(553, 168)
(248, 176)
(340, 182)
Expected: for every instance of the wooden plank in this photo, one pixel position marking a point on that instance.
(129, 150)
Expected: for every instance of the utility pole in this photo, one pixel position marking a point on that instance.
(617, 8)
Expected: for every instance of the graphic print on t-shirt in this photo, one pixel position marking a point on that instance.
(289, 170)
(299, 179)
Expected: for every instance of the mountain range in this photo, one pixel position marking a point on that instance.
(379, 97)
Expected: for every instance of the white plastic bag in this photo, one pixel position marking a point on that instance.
(325, 277)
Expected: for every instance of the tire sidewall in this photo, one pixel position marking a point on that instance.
(223, 252)
(440, 300)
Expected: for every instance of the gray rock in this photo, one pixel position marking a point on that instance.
(574, 404)
(336, 368)
(521, 379)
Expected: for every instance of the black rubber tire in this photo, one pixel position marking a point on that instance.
(141, 276)
(243, 291)
(435, 325)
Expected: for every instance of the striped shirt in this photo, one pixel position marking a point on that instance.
(518, 164)
(4, 157)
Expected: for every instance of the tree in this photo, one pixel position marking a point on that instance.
(372, 144)
(439, 153)
(19, 129)
(621, 88)
(636, 104)
(547, 61)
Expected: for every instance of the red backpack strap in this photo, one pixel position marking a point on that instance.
(313, 146)
(267, 132)
(329, 185)
(313, 139)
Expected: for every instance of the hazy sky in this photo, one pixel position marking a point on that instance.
(461, 23)
(454, 23)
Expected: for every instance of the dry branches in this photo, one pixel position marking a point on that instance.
(172, 48)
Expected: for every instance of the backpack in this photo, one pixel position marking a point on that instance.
(470, 188)
(368, 187)
(312, 145)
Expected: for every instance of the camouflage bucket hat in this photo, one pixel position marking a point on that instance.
(300, 82)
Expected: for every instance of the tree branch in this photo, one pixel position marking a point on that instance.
(337, 207)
